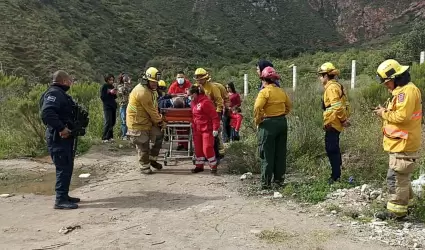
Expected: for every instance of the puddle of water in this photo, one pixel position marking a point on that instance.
(39, 183)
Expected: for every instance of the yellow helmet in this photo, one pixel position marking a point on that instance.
(162, 83)
(389, 69)
(152, 74)
(328, 68)
(201, 73)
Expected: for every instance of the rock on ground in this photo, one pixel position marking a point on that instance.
(171, 209)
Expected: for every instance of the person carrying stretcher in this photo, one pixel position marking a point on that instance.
(205, 127)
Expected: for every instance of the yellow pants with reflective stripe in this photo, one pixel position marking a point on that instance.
(398, 181)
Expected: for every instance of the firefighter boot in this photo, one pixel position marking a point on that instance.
(156, 165)
(145, 169)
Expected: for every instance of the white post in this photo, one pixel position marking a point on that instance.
(294, 77)
(422, 60)
(245, 84)
(353, 73)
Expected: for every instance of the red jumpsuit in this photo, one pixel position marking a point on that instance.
(176, 89)
(205, 121)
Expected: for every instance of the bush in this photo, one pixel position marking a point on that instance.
(21, 130)
(361, 144)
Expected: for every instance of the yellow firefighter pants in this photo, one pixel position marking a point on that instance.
(401, 166)
(142, 141)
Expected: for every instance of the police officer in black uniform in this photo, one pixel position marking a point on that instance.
(57, 113)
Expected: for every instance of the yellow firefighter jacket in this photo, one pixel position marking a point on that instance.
(224, 94)
(402, 120)
(335, 105)
(213, 92)
(142, 109)
(271, 101)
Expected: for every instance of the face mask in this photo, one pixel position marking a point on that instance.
(190, 98)
(180, 81)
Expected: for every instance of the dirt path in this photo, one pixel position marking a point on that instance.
(171, 209)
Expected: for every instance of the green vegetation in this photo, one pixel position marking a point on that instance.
(93, 38)
(21, 129)
(363, 156)
(275, 236)
(90, 39)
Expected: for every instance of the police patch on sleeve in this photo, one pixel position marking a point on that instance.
(401, 97)
(51, 98)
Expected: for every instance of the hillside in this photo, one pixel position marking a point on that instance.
(90, 38)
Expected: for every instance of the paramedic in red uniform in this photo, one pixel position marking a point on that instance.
(205, 127)
(180, 87)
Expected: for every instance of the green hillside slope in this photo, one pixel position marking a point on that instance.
(90, 38)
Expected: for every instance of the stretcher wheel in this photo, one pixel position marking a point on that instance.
(165, 163)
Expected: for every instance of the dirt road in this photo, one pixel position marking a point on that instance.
(171, 209)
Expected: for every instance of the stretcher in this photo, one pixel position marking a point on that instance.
(178, 120)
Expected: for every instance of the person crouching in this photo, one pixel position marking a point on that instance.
(205, 127)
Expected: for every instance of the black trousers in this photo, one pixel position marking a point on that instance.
(110, 116)
(333, 151)
(64, 163)
(226, 127)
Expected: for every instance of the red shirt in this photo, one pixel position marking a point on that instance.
(205, 118)
(236, 121)
(175, 88)
(235, 100)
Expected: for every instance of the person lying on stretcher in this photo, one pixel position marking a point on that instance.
(175, 102)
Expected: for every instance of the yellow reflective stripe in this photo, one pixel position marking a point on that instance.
(395, 208)
(416, 115)
(155, 99)
(132, 107)
(336, 104)
(395, 133)
(333, 106)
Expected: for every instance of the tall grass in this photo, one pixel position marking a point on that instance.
(21, 129)
(361, 144)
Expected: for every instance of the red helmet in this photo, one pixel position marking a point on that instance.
(270, 73)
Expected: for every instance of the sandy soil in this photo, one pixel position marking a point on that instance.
(171, 209)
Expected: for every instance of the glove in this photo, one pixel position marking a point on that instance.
(346, 124)
(327, 127)
(215, 133)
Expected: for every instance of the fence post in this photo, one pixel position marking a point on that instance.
(353, 74)
(245, 84)
(294, 77)
(422, 60)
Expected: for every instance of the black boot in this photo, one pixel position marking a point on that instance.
(156, 165)
(385, 215)
(65, 205)
(197, 170)
(73, 199)
(213, 170)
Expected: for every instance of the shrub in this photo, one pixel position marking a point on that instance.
(21, 130)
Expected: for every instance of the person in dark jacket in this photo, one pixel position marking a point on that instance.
(261, 65)
(56, 108)
(108, 94)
